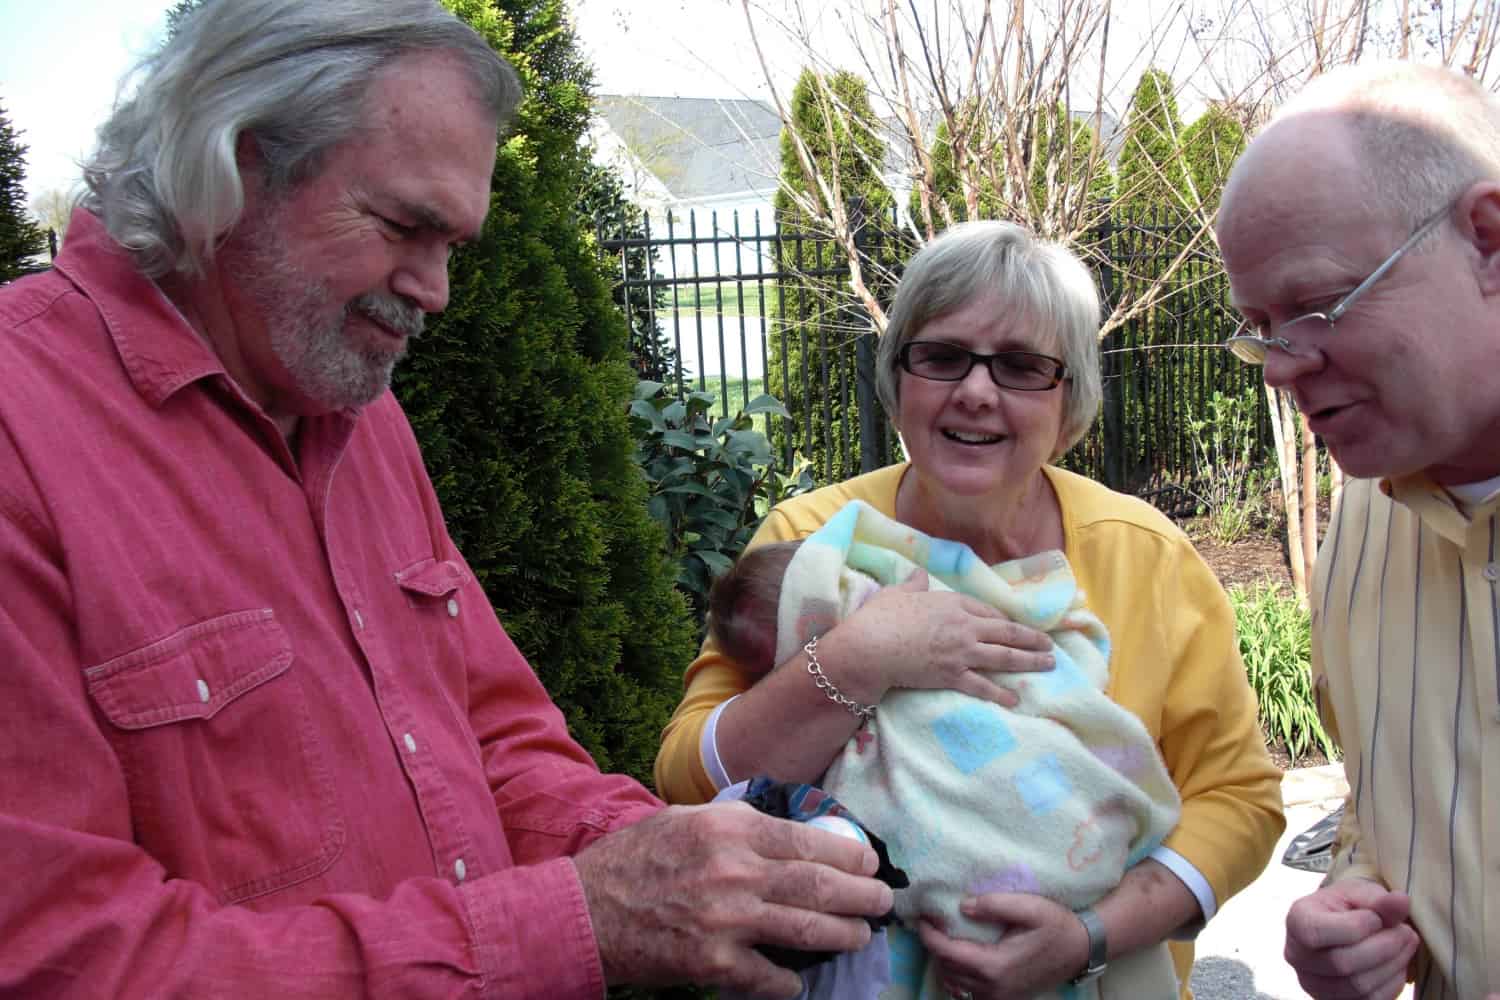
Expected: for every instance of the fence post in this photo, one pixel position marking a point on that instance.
(872, 448)
(1112, 441)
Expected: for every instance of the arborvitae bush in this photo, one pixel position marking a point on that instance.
(21, 241)
(519, 397)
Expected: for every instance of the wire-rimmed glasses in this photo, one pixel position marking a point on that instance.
(1252, 340)
(943, 362)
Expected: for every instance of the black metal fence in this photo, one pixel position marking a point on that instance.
(735, 309)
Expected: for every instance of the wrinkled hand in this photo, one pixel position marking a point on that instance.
(686, 895)
(1044, 946)
(1351, 940)
(909, 637)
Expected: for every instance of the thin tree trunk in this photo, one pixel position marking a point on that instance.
(1284, 433)
(1309, 498)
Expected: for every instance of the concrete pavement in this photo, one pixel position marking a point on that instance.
(1239, 952)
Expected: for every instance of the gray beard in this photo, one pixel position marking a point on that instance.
(307, 334)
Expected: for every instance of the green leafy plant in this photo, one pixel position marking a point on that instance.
(1276, 644)
(1230, 485)
(710, 481)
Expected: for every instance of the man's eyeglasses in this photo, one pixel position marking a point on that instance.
(942, 362)
(1251, 341)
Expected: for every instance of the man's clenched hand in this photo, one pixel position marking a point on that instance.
(687, 894)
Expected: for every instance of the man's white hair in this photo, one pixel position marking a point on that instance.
(1424, 133)
(292, 76)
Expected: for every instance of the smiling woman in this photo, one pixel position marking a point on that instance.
(989, 368)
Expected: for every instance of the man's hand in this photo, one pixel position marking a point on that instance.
(1351, 940)
(686, 895)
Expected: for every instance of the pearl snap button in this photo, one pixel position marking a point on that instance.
(452, 607)
(459, 871)
(203, 690)
(411, 744)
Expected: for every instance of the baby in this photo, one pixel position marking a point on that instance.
(1057, 796)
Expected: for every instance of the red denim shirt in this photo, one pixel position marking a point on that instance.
(261, 734)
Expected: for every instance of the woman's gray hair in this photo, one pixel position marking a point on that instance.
(1044, 282)
(290, 74)
(1425, 133)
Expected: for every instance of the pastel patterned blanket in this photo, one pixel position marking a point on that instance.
(1058, 796)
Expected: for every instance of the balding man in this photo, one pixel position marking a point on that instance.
(263, 736)
(1361, 234)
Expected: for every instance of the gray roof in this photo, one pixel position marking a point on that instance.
(698, 147)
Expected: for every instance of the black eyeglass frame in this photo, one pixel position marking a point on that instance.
(1059, 374)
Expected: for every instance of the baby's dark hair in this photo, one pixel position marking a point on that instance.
(742, 605)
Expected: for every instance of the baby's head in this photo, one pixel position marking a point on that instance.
(742, 606)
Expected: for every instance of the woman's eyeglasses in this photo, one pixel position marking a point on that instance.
(943, 362)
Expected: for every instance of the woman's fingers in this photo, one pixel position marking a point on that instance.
(982, 687)
(1001, 631)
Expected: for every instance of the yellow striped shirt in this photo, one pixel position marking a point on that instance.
(1405, 620)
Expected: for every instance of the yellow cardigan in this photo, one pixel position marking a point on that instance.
(1174, 663)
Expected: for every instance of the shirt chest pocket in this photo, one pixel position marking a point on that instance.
(228, 782)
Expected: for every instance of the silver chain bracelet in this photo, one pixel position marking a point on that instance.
(864, 712)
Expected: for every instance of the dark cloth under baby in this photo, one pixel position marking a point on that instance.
(800, 803)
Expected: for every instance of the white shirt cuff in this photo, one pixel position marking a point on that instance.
(708, 749)
(1197, 885)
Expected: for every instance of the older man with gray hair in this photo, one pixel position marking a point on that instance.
(1361, 234)
(264, 734)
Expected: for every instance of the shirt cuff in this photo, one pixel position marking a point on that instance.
(532, 934)
(708, 749)
(1197, 885)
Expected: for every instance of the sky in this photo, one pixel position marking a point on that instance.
(61, 61)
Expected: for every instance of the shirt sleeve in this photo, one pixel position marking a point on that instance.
(88, 913)
(1210, 733)
(550, 794)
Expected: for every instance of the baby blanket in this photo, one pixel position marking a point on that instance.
(1057, 796)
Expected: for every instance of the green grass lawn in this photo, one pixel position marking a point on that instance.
(726, 299)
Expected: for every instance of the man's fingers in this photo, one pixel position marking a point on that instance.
(815, 887)
(1364, 969)
(1319, 922)
(1393, 908)
(784, 840)
(1384, 981)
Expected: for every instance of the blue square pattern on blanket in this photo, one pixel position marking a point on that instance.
(972, 736)
(1043, 785)
(1065, 676)
(949, 559)
(908, 958)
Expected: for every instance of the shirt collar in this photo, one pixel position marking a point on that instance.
(160, 352)
(1435, 505)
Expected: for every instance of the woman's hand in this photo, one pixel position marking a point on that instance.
(909, 637)
(1044, 946)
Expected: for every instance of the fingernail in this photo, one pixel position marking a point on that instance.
(968, 906)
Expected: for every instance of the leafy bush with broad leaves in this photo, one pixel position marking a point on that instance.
(1276, 644)
(710, 481)
(1230, 485)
